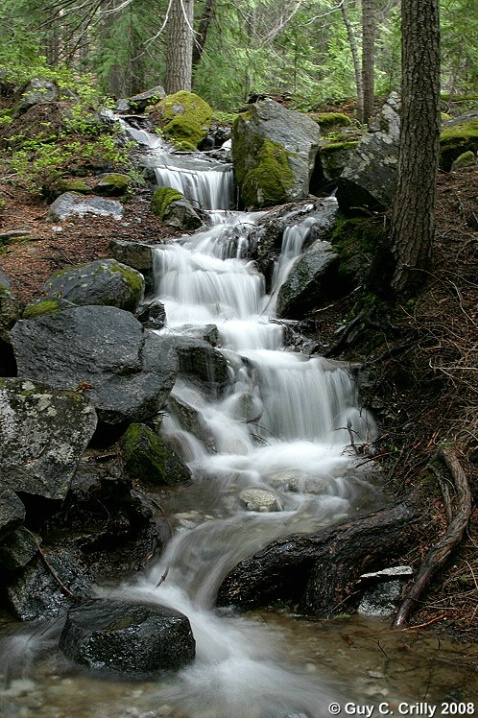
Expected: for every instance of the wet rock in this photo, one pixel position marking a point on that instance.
(369, 180)
(72, 204)
(104, 282)
(259, 500)
(175, 210)
(192, 421)
(138, 103)
(245, 407)
(147, 459)
(126, 638)
(152, 315)
(274, 151)
(137, 255)
(126, 371)
(201, 363)
(312, 280)
(208, 333)
(12, 511)
(383, 591)
(48, 585)
(43, 433)
(18, 549)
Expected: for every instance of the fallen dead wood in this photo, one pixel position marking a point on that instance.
(443, 548)
(319, 572)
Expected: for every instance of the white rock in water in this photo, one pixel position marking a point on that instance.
(259, 500)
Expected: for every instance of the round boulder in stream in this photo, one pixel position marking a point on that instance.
(125, 638)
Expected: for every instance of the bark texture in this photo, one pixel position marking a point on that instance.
(413, 219)
(179, 46)
(320, 572)
(368, 58)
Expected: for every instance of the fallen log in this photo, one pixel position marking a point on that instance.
(319, 572)
(445, 545)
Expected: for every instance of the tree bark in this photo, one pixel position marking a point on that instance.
(413, 212)
(179, 46)
(368, 58)
(320, 571)
(203, 29)
(355, 56)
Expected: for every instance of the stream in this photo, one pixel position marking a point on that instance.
(273, 458)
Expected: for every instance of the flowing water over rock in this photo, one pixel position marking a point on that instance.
(275, 462)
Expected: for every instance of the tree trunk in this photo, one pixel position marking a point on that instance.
(179, 46)
(201, 37)
(413, 212)
(368, 58)
(355, 56)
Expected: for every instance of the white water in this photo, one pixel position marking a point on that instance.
(282, 425)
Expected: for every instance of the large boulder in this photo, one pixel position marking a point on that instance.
(74, 204)
(147, 459)
(201, 363)
(130, 639)
(183, 118)
(126, 371)
(43, 433)
(312, 279)
(274, 152)
(369, 180)
(104, 281)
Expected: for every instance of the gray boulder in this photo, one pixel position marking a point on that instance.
(43, 433)
(152, 314)
(130, 639)
(12, 511)
(72, 204)
(138, 103)
(274, 151)
(36, 92)
(312, 279)
(369, 180)
(137, 255)
(126, 371)
(104, 281)
(181, 215)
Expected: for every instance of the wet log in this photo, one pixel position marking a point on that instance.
(319, 573)
(440, 552)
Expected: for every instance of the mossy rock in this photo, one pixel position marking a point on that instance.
(327, 120)
(146, 458)
(72, 184)
(335, 156)
(162, 198)
(270, 180)
(44, 307)
(112, 185)
(467, 159)
(355, 240)
(184, 119)
(456, 139)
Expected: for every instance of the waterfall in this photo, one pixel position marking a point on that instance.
(291, 444)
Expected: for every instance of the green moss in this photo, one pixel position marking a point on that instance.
(457, 139)
(326, 120)
(72, 184)
(185, 119)
(112, 185)
(146, 458)
(133, 279)
(334, 147)
(223, 118)
(467, 159)
(270, 179)
(162, 198)
(41, 308)
(355, 240)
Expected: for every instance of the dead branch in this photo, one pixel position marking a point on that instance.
(443, 548)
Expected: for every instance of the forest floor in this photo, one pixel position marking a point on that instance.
(424, 361)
